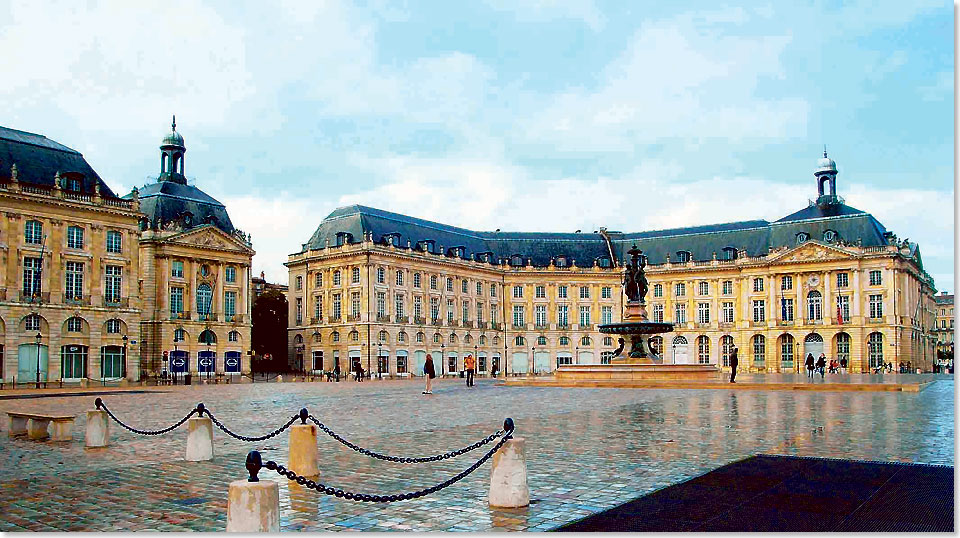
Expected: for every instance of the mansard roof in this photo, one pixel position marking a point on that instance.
(754, 237)
(39, 159)
(170, 204)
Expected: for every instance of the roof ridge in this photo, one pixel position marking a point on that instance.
(56, 146)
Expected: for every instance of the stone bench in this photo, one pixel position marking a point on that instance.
(35, 425)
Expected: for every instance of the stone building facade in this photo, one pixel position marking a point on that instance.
(70, 296)
(385, 289)
(944, 329)
(195, 270)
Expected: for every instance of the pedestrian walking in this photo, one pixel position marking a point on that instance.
(470, 364)
(809, 364)
(429, 373)
(734, 361)
(336, 370)
(821, 364)
(843, 365)
(359, 373)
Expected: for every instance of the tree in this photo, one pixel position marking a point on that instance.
(269, 332)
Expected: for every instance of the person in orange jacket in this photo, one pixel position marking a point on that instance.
(469, 364)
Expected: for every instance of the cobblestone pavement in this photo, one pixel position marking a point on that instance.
(587, 450)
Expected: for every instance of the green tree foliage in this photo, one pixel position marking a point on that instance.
(269, 332)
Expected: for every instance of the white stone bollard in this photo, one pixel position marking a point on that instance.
(252, 505)
(303, 450)
(98, 429)
(508, 478)
(199, 439)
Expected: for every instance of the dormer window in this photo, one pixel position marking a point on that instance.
(802, 237)
(516, 260)
(829, 236)
(344, 238)
(729, 253)
(426, 245)
(683, 256)
(391, 239)
(73, 184)
(456, 252)
(603, 262)
(560, 261)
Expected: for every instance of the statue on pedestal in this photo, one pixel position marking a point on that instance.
(634, 280)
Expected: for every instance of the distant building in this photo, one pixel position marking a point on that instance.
(69, 281)
(943, 331)
(260, 285)
(383, 290)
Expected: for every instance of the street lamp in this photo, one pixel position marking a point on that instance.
(176, 357)
(533, 359)
(123, 365)
(208, 357)
(39, 336)
(380, 360)
(476, 355)
(443, 357)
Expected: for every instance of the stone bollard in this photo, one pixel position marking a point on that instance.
(199, 437)
(252, 505)
(98, 429)
(303, 448)
(508, 477)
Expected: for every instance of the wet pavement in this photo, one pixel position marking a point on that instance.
(587, 450)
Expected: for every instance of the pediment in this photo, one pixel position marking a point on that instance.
(811, 251)
(209, 237)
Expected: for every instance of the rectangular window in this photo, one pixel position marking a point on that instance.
(786, 283)
(518, 316)
(176, 270)
(450, 310)
(337, 306)
(540, 312)
(843, 280)
(355, 275)
(726, 310)
(703, 312)
(606, 292)
(493, 290)
(398, 305)
(541, 292)
(299, 283)
(230, 273)
(418, 307)
(518, 292)
(703, 288)
(680, 289)
(381, 275)
(658, 313)
(728, 287)
(463, 286)
(465, 312)
(299, 310)
(434, 309)
(786, 309)
(319, 279)
(33, 232)
(31, 276)
(658, 290)
(74, 237)
(479, 288)
(584, 315)
(875, 279)
(111, 284)
(416, 280)
(843, 304)
(336, 278)
(230, 305)
(114, 241)
(563, 312)
(381, 304)
(176, 301)
(561, 292)
(73, 287)
(399, 280)
(479, 312)
(759, 311)
(606, 314)
(758, 284)
(680, 313)
(876, 306)
(318, 308)
(493, 314)
(584, 292)
(355, 305)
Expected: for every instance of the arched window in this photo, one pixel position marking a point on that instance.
(759, 350)
(335, 336)
(564, 341)
(703, 350)
(437, 338)
(541, 340)
(453, 338)
(679, 341)
(317, 338)
(656, 345)
(234, 336)
(483, 340)
(354, 336)
(208, 336)
(496, 340)
(814, 305)
(204, 300)
(114, 326)
(420, 337)
(786, 350)
(467, 339)
(383, 336)
(843, 346)
(401, 336)
(875, 349)
(520, 341)
(74, 325)
(726, 348)
(585, 341)
(179, 335)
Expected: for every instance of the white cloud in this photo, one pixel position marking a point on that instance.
(550, 10)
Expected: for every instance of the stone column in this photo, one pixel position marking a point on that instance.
(98, 429)
(303, 450)
(253, 506)
(199, 439)
(508, 478)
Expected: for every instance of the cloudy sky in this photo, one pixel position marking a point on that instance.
(545, 115)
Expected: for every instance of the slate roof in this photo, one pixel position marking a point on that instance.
(167, 202)
(756, 237)
(38, 160)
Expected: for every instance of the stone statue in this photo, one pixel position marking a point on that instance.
(635, 283)
(619, 350)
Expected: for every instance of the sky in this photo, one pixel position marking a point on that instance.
(545, 115)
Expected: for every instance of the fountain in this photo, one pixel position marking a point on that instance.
(639, 362)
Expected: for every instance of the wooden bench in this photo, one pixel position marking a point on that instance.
(35, 425)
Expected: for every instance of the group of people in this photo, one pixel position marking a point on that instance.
(469, 366)
(820, 365)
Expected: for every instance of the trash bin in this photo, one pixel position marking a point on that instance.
(186, 379)
(461, 374)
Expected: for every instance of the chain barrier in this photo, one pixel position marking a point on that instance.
(396, 459)
(254, 463)
(301, 415)
(100, 405)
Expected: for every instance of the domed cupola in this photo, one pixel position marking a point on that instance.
(171, 156)
(826, 174)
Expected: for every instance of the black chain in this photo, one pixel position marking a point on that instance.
(101, 405)
(425, 459)
(364, 497)
(251, 439)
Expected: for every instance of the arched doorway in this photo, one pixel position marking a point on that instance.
(812, 345)
(32, 358)
(73, 362)
(519, 362)
(680, 350)
(112, 362)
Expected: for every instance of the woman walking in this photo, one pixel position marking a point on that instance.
(821, 364)
(809, 364)
(429, 373)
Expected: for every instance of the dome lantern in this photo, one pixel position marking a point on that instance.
(172, 150)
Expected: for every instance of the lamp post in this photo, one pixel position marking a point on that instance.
(208, 358)
(443, 358)
(380, 360)
(476, 354)
(533, 359)
(796, 356)
(176, 356)
(39, 337)
(123, 364)
(313, 366)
